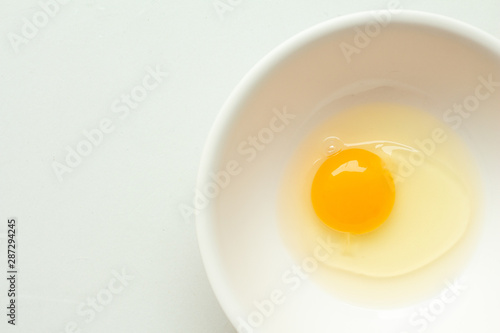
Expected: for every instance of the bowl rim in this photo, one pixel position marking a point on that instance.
(230, 111)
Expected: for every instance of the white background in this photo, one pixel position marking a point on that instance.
(117, 211)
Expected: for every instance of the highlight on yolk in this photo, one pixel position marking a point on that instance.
(353, 192)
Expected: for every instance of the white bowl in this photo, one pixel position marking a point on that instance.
(439, 61)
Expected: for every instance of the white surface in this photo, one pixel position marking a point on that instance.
(120, 207)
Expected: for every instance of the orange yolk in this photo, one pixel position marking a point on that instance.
(353, 192)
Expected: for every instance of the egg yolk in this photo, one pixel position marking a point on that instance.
(353, 192)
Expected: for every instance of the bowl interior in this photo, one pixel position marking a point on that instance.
(416, 59)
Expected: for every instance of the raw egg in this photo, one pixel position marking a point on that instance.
(392, 191)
